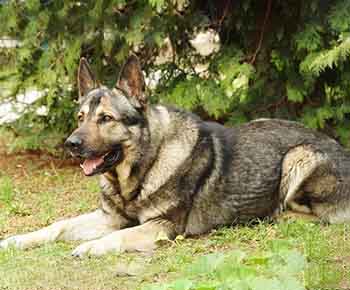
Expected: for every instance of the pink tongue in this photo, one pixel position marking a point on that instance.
(90, 165)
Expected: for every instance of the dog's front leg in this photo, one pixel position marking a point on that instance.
(85, 227)
(138, 238)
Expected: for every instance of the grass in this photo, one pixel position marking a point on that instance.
(36, 190)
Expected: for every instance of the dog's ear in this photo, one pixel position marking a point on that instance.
(86, 79)
(132, 82)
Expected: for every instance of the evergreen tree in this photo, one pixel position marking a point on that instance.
(286, 59)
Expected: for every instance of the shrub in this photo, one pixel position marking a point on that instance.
(286, 59)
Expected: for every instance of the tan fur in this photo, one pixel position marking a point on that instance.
(305, 172)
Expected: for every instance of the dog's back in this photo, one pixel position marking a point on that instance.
(241, 173)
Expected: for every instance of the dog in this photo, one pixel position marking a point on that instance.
(165, 172)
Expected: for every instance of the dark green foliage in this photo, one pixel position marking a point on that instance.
(287, 59)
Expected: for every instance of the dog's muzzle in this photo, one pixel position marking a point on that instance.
(73, 144)
(93, 162)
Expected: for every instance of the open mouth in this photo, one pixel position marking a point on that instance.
(101, 164)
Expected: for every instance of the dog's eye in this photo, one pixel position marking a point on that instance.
(81, 118)
(106, 118)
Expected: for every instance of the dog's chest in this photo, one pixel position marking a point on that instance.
(142, 204)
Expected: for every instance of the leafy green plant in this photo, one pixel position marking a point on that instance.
(277, 268)
(278, 58)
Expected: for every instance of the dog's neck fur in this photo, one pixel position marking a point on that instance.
(141, 162)
(129, 174)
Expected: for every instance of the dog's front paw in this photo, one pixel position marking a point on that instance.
(98, 247)
(15, 241)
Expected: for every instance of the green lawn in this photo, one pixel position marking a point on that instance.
(36, 190)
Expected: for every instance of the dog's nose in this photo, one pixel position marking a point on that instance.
(73, 142)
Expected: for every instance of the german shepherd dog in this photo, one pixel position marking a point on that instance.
(164, 171)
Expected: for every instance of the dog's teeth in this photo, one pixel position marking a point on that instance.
(82, 166)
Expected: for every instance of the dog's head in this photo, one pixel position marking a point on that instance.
(110, 120)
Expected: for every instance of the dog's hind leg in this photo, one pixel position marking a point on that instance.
(299, 165)
(334, 207)
(85, 227)
(310, 185)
